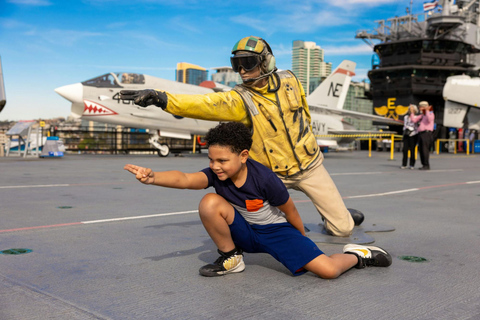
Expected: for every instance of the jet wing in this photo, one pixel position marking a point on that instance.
(352, 114)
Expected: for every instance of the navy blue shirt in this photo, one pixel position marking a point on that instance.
(258, 198)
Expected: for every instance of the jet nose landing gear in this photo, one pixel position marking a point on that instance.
(163, 148)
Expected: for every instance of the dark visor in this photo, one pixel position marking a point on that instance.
(246, 62)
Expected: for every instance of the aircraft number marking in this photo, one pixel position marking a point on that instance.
(335, 90)
(318, 127)
(116, 96)
(454, 110)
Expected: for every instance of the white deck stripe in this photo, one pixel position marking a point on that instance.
(140, 217)
(382, 194)
(35, 186)
(354, 173)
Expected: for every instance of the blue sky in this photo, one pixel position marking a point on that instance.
(45, 44)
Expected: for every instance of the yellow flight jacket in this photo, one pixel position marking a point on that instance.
(280, 119)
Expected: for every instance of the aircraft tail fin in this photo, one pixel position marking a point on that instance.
(333, 90)
(3, 98)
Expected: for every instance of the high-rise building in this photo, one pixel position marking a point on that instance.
(308, 64)
(356, 100)
(325, 69)
(190, 73)
(226, 76)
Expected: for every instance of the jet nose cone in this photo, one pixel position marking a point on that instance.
(71, 92)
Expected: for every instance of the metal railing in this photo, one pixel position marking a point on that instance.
(113, 141)
(393, 138)
(368, 136)
(454, 142)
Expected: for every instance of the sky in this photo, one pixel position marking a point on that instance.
(46, 44)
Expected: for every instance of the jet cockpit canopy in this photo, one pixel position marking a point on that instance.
(115, 80)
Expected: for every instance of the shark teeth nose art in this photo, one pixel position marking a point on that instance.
(95, 109)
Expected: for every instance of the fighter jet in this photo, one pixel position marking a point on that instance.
(326, 109)
(98, 99)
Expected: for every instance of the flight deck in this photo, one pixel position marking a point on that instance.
(82, 239)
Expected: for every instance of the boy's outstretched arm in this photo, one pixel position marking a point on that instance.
(292, 215)
(169, 179)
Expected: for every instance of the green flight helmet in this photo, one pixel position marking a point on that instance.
(257, 47)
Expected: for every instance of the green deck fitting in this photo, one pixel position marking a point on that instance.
(413, 259)
(16, 251)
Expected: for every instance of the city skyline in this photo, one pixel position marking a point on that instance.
(50, 43)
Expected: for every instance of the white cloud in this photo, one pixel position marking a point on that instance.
(59, 36)
(282, 50)
(14, 24)
(359, 49)
(257, 24)
(181, 22)
(65, 37)
(149, 41)
(31, 2)
(300, 21)
(305, 17)
(371, 3)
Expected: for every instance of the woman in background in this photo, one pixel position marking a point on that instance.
(410, 138)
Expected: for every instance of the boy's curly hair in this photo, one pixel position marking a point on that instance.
(230, 134)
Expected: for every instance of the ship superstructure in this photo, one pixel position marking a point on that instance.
(418, 52)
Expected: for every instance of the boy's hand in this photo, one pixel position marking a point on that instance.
(144, 175)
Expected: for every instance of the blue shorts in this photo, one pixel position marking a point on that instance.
(281, 240)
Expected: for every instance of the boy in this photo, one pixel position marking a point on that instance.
(252, 211)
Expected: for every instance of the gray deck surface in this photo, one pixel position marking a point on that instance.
(147, 267)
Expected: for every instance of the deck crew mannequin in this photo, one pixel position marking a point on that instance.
(272, 103)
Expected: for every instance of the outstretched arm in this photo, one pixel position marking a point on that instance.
(292, 215)
(215, 106)
(170, 179)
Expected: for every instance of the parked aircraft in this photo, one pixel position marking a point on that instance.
(98, 99)
(326, 108)
(462, 102)
(3, 98)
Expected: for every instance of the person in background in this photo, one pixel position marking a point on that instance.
(471, 138)
(426, 123)
(410, 138)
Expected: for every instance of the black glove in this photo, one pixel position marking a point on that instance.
(146, 97)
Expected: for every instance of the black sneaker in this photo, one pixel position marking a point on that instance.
(230, 262)
(369, 255)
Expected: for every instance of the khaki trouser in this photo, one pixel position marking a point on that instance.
(317, 184)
